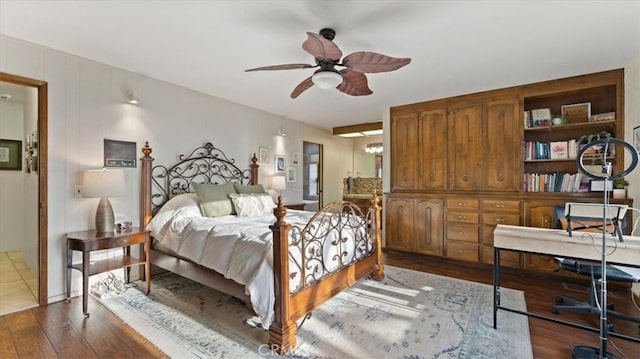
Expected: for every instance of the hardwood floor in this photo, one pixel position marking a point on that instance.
(59, 330)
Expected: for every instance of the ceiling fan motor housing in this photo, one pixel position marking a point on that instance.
(327, 33)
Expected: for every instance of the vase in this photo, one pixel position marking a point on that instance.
(619, 193)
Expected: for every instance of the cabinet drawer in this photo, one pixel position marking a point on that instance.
(462, 203)
(464, 217)
(463, 251)
(467, 232)
(493, 219)
(500, 205)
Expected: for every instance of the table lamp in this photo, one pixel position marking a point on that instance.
(103, 184)
(278, 183)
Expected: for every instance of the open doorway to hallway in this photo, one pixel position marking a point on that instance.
(312, 176)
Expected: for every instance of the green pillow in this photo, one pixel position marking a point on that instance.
(249, 189)
(214, 198)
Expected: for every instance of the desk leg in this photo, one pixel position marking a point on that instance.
(496, 285)
(146, 275)
(85, 282)
(69, 264)
(127, 270)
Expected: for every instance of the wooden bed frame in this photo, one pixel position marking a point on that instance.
(316, 287)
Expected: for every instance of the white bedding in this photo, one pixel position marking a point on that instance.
(240, 248)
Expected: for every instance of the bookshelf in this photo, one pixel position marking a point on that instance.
(559, 117)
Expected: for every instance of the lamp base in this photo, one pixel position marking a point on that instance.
(584, 352)
(105, 220)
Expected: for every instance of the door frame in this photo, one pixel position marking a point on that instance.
(42, 88)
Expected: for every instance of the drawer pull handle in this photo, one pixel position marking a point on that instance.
(460, 233)
(462, 217)
(463, 252)
(499, 205)
(461, 204)
(500, 220)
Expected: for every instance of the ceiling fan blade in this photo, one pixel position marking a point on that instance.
(371, 62)
(302, 87)
(282, 67)
(354, 83)
(318, 46)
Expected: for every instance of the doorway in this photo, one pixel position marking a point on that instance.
(31, 150)
(312, 176)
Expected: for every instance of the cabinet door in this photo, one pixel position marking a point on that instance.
(399, 233)
(540, 214)
(432, 170)
(466, 146)
(502, 157)
(404, 155)
(429, 226)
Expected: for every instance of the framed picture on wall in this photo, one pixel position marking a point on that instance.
(11, 155)
(636, 138)
(279, 159)
(263, 155)
(295, 158)
(119, 153)
(291, 174)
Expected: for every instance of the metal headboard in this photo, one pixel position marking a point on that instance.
(205, 164)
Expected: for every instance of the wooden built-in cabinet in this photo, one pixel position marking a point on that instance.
(459, 165)
(415, 224)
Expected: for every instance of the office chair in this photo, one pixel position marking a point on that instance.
(591, 268)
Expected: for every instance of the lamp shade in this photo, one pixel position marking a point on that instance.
(103, 183)
(278, 182)
(327, 79)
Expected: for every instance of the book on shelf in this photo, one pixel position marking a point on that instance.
(554, 182)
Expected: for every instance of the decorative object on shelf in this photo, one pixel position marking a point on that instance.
(620, 188)
(119, 153)
(559, 150)
(607, 116)
(577, 113)
(527, 119)
(279, 163)
(103, 184)
(263, 155)
(557, 120)
(541, 117)
(10, 155)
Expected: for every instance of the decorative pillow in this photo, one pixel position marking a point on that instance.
(243, 188)
(251, 205)
(184, 205)
(214, 198)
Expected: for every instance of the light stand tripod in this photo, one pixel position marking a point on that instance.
(607, 146)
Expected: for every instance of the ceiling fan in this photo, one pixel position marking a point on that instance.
(350, 80)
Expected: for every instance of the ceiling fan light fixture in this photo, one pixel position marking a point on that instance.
(327, 79)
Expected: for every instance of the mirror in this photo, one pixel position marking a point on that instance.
(367, 164)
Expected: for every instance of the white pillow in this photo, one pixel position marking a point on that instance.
(251, 205)
(183, 205)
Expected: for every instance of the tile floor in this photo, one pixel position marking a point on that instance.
(18, 284)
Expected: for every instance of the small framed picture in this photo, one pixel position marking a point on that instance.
(279, 160)
(577, 113)
(119, 153)
(541, 117)
(263, 155)
(11, 155)
(636, 138)
(598, 186)
(295, 158)
(291, 174)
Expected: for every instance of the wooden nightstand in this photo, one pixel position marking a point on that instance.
(298, 206)
(88, 241)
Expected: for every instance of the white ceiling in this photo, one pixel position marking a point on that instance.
(456, 47)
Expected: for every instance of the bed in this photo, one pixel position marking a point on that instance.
(285, 267)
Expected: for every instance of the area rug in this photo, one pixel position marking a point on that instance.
(408, 315)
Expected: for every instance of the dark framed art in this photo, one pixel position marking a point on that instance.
(10, 155)
(119, 153)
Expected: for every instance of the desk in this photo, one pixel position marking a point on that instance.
(88, 241)
(558, 243)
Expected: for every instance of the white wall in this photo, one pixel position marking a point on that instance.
(87, 104)
(632, 119)
(12, 184)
